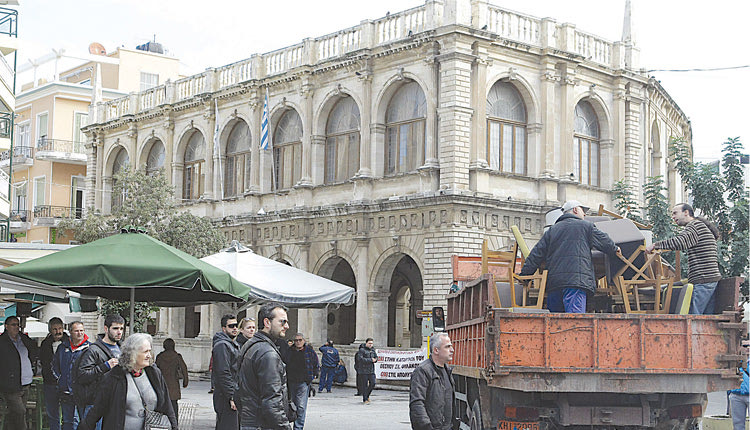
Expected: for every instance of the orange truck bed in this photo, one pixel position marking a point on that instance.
(601, 352)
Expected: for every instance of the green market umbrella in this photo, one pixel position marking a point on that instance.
(135, 267)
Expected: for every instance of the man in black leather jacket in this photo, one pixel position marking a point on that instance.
(566, 250)
(224, 373)
(264, 397)
(432, 396)
(93, 364)
(18, 354)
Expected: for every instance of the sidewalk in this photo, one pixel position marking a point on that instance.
(338, 410)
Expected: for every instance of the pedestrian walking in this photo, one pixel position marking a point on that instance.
(740, 397)
(47, 349)
(301, 368)
(62, 369)
(432, 397)
(135, 388)
(698, 238)
(264, 395)
(100, 357)
(173, 368)
(328, 362)
(247, 330)
(367, 357)
(17, 353)
(358, 370)
(224, 374)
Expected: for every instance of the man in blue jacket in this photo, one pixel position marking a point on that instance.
(62, 369)
(328, 363)
(740, 397)
(566, 250)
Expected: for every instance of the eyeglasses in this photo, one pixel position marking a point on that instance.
(248, 319)
(284, 322)
(234, 325)
(298, 340)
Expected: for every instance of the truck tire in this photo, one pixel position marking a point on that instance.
(475, 418)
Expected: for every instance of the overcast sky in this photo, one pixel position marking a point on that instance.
(671, 34)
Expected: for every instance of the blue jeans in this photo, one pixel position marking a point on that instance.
(52, 405)
(298, 392)
(570, 300)
(704, 300)
(326, 378)
(69, 417)
(738, 403)
(82, 414)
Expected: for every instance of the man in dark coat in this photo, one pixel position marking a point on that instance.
(224, 374)
(17, 353)
(367, 357)
(432, 397)
(301, 368)
(95, 362)
(264, 397)
(54, 339)
(328, 362)
(173, 368)
(566, 250)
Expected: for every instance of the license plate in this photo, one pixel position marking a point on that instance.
(516, 425)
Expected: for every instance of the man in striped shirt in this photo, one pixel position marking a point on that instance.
(698, 238)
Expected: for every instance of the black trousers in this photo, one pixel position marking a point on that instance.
(226, 417)
(368, 386)
(361, 382)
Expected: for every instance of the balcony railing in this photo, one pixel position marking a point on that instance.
(6, 122)
(48, 211)
(58, 145)
(8, 21)
(19, 152)
(4, 184)
(17, 215)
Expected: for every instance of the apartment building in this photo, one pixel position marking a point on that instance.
(49, 156)
(8, 57)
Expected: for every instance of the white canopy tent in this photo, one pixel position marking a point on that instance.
(271, 281)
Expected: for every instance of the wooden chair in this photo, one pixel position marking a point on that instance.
(646, 285)
(533, 286)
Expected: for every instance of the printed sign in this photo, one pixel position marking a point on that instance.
(396, 364)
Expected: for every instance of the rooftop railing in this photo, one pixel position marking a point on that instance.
(369, 34)
(19, 152)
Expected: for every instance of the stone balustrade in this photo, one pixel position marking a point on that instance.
(369, 34)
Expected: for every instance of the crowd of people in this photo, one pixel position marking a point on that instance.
(259, 380)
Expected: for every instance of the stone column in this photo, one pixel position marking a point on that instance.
(106, 192)
(169, 148)
(205, 329)
(378, 316)
(256, 109)
(208, 185)
(377, 148)
(132, 146)
(307, 131)
(162, 323)
(91, 174)
(362, 277)
(618, 128)
(455, 111)
(365, 146)
(431, 121)
(176, 325)
(548, 152)
(567, 118)
(633, 144)
(99, 172)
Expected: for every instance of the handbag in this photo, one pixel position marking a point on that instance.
(153, 420)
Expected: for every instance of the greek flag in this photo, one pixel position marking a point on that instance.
(264, 138)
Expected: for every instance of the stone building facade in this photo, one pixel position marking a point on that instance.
(395, 144)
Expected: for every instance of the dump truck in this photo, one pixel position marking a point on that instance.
(528, 369)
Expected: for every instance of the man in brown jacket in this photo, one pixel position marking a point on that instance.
(173, 368)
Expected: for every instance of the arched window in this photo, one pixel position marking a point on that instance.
(655, 150)
(287, 150)
(237, 166)
(195, 162)
(586, 144)
(342, 141)
(121, 163)
(506, 129)
(405, 128)
(155, 160)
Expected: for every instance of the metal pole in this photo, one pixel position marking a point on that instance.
(132, 310)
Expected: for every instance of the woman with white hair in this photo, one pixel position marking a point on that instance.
(130, 388)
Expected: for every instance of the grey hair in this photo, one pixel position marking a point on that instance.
(130, 349)
(437, 340)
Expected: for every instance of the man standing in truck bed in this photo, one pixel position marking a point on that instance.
(698, 237)
(566, 250)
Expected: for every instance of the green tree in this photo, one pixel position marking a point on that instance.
(147, 202)
(721, 197)
(657, 208)
(625, 203)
